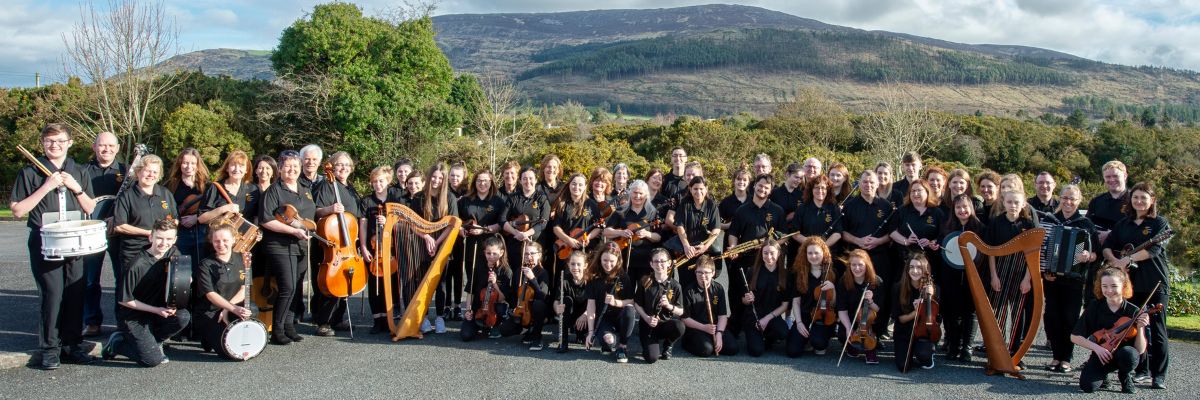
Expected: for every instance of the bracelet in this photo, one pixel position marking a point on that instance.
(77, 193)
(720, 331)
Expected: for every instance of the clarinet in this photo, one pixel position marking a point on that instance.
(753, 310)
(562, 334)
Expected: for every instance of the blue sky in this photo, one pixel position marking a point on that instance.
(1135, 32)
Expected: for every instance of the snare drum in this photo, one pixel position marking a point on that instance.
(73, 239)
(243, 339)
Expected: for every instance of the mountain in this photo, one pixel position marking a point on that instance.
(718, 59)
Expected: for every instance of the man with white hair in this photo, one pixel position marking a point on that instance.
(310, 163)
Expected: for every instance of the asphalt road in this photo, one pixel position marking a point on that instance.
(440, 366)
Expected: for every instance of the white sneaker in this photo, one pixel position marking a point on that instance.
(930, 366)
(426, 327)
(439, 325)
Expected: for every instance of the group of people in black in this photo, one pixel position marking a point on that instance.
(819, 255)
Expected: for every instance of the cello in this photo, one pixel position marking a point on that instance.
(341, 271)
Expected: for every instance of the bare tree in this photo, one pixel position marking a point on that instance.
(121, 53)
(299, 107)
(407, 10)
(497, 119)
(899, 127)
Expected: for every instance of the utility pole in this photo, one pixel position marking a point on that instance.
(37, 79)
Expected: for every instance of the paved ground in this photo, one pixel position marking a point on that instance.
(440, 367)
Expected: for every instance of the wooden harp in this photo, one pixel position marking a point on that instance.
(1028, 243)
(414, 314)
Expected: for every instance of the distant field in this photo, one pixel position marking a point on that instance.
(1190, 322)
(5, 212)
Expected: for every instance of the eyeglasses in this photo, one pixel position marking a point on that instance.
(58, 142)
(659, 261)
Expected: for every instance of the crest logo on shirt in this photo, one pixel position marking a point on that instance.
(535, 205)
(308, 195)
(1146, 231)
(119, 177)
(670, 294)
(488, 210)
(1123, 209)
(769, 217)
(242, 274)
(704, 221)
(929, 220)
(249, 197)
(164, 204)
(828, 218)
(878, 214)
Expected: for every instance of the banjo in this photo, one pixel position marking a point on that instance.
(244, 339)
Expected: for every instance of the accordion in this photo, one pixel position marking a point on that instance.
(1060, 248)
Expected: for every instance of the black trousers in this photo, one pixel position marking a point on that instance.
(701, 344)
(659, 338)
(818, 337)
(1094, 373)
(450, 289)
(1156, 359)
(619, 322)
(142, 336)
(922, 351)
(757, 342)
(209, 329)
(737, 288)
(1064, 300)
(326, 310)
(883, 294)
(375, 294)
(958, 310)
(93, 265)
(287, 267)
(60, 294)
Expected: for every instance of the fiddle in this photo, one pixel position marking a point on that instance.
(486, 313)
(525, 295)
(863, 337)
(288, 215)
(1124, 329)
(925, 325)
(579, 234)
(522, 223)
(190, 205)
(625, 242)
(376, 267)
(824, 310)
(339, 273)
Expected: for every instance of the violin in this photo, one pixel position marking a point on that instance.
(376, 267)
(486, 314)
(341, 271)
(1124, 329)
(581, 234)
(190, 205)
(925, 325)
(523, 223)
(525, 294)
(623, 242)
(824, 310)
(288, 215)
(863, 337)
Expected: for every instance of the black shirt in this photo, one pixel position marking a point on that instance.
(551, 192)
(309, 183)
(276, 196)
(811, 220)
(224, 278)
(105, 180)
(136, 208)
(29, 179)
(253, 202)
(1048, 207)
(568, 219)
(1001, 230)
(1150, 271)
(768, 293)
(1105, 211)
(861, 219)
(598, 288)
(697, 222)
(925, 224)
(535, 207)
(673, 185)
(752, 222)
(397, 192)
(904, 307)
(808, 299)
(323, 196)
(696, 308)
(1097, 315)
(181, 193)
(729, 205)
(575, 294)
(145, 281)
(418, 205)
(485, 212)
(540, 283)
(789, 201)
(648, 292)
(644, 219)
(369, 205)
(847, 299)
(504, 280)
(214, 199)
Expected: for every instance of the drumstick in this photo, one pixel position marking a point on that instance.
(37, 164)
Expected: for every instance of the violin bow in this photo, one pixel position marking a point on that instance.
(853, 322)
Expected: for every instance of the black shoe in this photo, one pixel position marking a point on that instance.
(324, 330)
(563, 347)
(952, 353)
(289, 330)
(110, 347)
(1126, 384)
(380, 326)
(1159, 383)
(966, 356)
(1104, 385)
(342, 326)
(621, 356)
(527, 338)
(666, 354)
(76, 355)
(458, 314)
(279, 338)
(50, 360)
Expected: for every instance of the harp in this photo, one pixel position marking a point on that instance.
(408, 223)
(1029, 245)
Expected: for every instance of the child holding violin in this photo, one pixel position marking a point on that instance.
(610, 303)
(491, 287)
(814, 306)
(532, 288)
(856, 306)
(657, 302)
(915, 315)
(1112, 289)
(571, 303)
